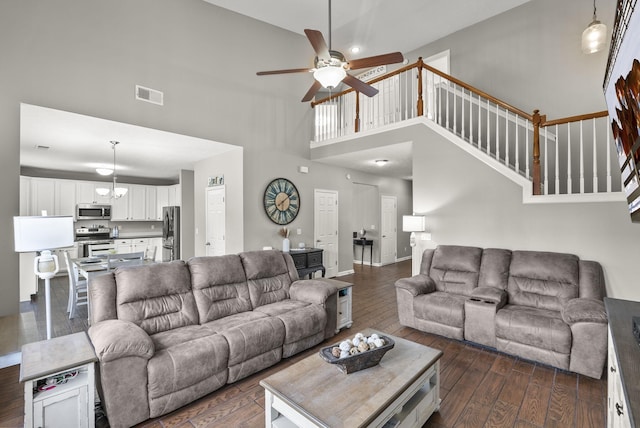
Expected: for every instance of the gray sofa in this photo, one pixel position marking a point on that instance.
(168, 333)
(540, 306)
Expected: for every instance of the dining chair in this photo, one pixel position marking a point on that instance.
(124, 259)
(78, 294)
(150, 254)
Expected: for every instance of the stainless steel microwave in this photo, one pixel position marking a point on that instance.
(93, 212)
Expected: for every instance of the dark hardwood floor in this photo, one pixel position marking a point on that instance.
(479, 387)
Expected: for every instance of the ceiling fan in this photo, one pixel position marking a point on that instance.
(330, 67)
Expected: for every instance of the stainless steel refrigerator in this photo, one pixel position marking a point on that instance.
(170, 233)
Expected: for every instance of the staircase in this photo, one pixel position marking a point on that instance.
(563, 160)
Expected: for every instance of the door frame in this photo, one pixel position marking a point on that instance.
(337, 218)
(395, 229)
(206, 214)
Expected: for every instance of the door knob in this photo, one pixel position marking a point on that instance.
(208, 243)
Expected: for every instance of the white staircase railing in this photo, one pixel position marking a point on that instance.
(565, 156)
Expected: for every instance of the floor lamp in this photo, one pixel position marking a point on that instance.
(412, 223)
(43, 234)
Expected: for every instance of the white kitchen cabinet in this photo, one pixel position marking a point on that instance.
(123, 245)
(137, 202)
(42, 193)
(131, 206)
(152, 203)
(162, 199)
(86, 192)
(131, 245)
(175, 195)
(65, 197)
(120, 206)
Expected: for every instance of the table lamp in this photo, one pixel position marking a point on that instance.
(413, 224)
(43, 234)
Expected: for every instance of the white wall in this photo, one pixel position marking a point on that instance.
(229, 164)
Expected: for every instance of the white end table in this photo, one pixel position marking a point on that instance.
(69, 404)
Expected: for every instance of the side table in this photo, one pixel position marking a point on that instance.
(68, 363)
(362, 242)
(344, 316)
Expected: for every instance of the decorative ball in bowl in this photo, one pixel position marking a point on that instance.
(359, 353)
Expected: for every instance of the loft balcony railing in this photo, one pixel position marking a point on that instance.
(572, 155)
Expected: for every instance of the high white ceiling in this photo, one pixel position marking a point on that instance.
(377, 26)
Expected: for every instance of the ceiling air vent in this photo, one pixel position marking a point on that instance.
(149, 95)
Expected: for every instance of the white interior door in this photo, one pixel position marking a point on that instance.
(326, 228)
(216, 221)
(388, 234)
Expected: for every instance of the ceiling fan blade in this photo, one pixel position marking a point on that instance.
(291, 70)
(312, 91)
(374, 61)
(318, 43)
(360, 86)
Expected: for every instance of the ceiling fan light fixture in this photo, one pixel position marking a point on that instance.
(330, 76)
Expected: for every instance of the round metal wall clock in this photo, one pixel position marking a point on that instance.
(281, 201)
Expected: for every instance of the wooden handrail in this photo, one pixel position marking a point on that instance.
(577, 118)
(419, 65)
(537, 120)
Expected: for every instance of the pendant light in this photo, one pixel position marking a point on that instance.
(115, 192)
(595, 35)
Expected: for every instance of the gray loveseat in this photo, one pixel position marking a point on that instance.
(540, 306)
(168, 333)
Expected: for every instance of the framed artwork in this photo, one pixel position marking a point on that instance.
(622, 94)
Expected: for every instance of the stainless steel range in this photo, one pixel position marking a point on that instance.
(94, 240)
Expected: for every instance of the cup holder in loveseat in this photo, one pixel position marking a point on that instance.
(475, 300)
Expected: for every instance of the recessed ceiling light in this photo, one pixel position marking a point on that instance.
(381, 162)
(355, 49)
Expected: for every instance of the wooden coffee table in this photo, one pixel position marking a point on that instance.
(402, 391)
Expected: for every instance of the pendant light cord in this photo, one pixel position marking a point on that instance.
(594, 10)
(594, 5)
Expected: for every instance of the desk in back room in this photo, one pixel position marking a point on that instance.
(364, 243)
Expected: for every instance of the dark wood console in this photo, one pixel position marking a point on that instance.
(307, 261)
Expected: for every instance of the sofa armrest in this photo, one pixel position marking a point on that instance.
(584, 310)
(417, 284)
(312, 291)
(115, 339)
(490, 294)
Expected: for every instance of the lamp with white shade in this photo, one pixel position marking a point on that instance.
(413, 224)
(43, 234)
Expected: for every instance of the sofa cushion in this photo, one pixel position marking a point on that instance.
(267, 275)
(157, 297)
(177, 336)
(219, 286)
(494, 268)
(233, 321)
(440, 307)
(540, 328)
(188, 363)
(301, 320)
(253, 339)
(542, 279)
(455, 269)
